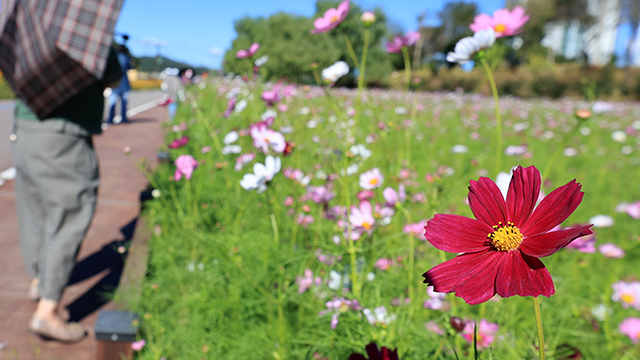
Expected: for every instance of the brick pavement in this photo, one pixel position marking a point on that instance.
(99, 265)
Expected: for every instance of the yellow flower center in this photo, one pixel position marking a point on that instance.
(373, 181)
(628, 298)
(500, 28)
(366, 225)
(334, 19)
(505, 238)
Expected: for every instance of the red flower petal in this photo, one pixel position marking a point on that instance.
(523, 275)
(553, 209)
(486, 202)
(471, 276)
(548, 243)
(455, 233)
(523, 194)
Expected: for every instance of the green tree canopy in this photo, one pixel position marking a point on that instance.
(291, 48)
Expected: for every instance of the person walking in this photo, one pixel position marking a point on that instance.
(122, 91)
(60, 106)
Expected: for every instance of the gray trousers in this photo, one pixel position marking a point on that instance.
(56, 191)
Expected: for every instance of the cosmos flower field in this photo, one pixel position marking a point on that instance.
(296, 229)
(299, 222)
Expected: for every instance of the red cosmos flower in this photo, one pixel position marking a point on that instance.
(500, 249)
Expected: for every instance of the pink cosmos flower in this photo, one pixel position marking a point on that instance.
(320, 194)
(306, 281)
(503, 22)
(365, 195)
(338, 306)
(627, 294)
(178, 143)
(633, 210)
(611, 251)
(231, 104)
(434, 327)
(631, 328)
(272, 96)
(384, 264)
(331, 18)
(382, 211)
(371, 179)
(305, 220)
(416, 229)
(486, 333)
(138, 345)
(585, 244)
(185, 164)
(362, 216)
(392, 197)
(399, 42)
(436, 299)
(265, 138)
(243, 160)
(241, 54)
(262, 124)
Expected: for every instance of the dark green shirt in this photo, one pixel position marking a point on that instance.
(85, 108)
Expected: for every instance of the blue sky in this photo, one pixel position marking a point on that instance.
(199, 31)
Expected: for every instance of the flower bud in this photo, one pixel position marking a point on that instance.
(368, 18)
(456, 323)
(583, 114)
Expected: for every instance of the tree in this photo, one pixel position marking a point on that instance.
(291, 48)
(455, 18)
(378, 63)
(287, 41)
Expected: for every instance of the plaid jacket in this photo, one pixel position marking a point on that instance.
(52, 49)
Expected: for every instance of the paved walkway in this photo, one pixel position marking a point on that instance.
(100, 266)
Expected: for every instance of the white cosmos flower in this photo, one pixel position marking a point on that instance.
(261, 60)
(265, 138)
(335, 71)
(459, 149)
(231, 149)
(262, 174)
(269, 113)
(371, 179)
(241, 105)
(379, 316)
(361, 150)
(619, 136)
(602, 221)
(230, 138)
(467, 47)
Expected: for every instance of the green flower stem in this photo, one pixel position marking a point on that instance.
(412, 251)
(355, 284)
(351, 52)
(407, 66)
(555, 155)
(496, 98)
(317, 77)
(536, 308)
(365, 49)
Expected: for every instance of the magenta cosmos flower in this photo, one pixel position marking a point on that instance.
(399, 42)
(185, 164)
(500, 248)
(503, 22)
(331, 18)
(241, 54)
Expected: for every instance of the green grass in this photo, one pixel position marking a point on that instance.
(222, 271)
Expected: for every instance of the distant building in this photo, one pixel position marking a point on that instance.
(572, 40)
